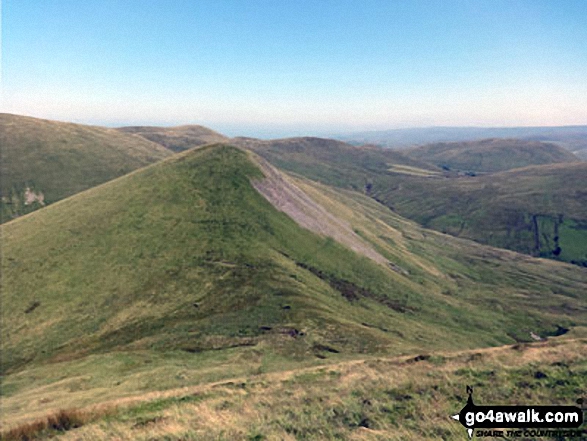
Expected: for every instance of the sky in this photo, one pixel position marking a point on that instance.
(292, 67)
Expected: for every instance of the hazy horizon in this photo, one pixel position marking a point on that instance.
(272, 132)
(297, 68)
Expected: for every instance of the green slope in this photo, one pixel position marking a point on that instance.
(45, 161)
(178, 138)
(537, 210)
(334, 162)
(182, 272)
(491, 155)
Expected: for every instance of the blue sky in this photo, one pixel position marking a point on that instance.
(291, 67)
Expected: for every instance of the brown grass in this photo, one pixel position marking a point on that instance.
(237, 409)
(60, 421)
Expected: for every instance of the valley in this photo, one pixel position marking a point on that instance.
(520, 209)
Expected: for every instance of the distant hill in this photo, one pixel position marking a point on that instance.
(491, 155)
(573, 138)
(332, 161)
(177, 139)
(213, 264)
(537, 210)
(46, 161)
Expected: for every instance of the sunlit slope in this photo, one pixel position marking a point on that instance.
(188, 255)
(183, 272)
(399, 398)
(178, 138)
(491, 155)
(538, 210)
(45, 161)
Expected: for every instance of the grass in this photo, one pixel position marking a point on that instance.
(333, 162)
(410, 170)
(393, 398)
(523, 210)
(495, 209)
(177, 139)
(182, 273)
(56, 160)
(58, 422)
(571, 236)
(491, 155)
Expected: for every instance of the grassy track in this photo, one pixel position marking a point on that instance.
(368, 399)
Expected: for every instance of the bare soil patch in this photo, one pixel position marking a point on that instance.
(290, 199)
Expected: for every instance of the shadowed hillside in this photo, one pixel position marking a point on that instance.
(45, 161)
(183, 273)
(491, 155)
(179, 138)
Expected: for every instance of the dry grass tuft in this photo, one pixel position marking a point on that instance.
(60, 421)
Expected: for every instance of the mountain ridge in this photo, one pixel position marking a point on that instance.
(506, 209)
(573, 138)
(182, 273)
(491, 155)
(177, 138)
(45, 161)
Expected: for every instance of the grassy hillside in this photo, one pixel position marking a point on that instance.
(183, 273)
(536, 210)
(46, 161)
(178, 138)
(395, 398)
(491, 155)
(334, 162)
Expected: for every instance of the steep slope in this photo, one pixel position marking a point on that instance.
(45, 161)
(537, 210)
(183, 272)
(177, 139)
(491, 155)
(289, 198)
